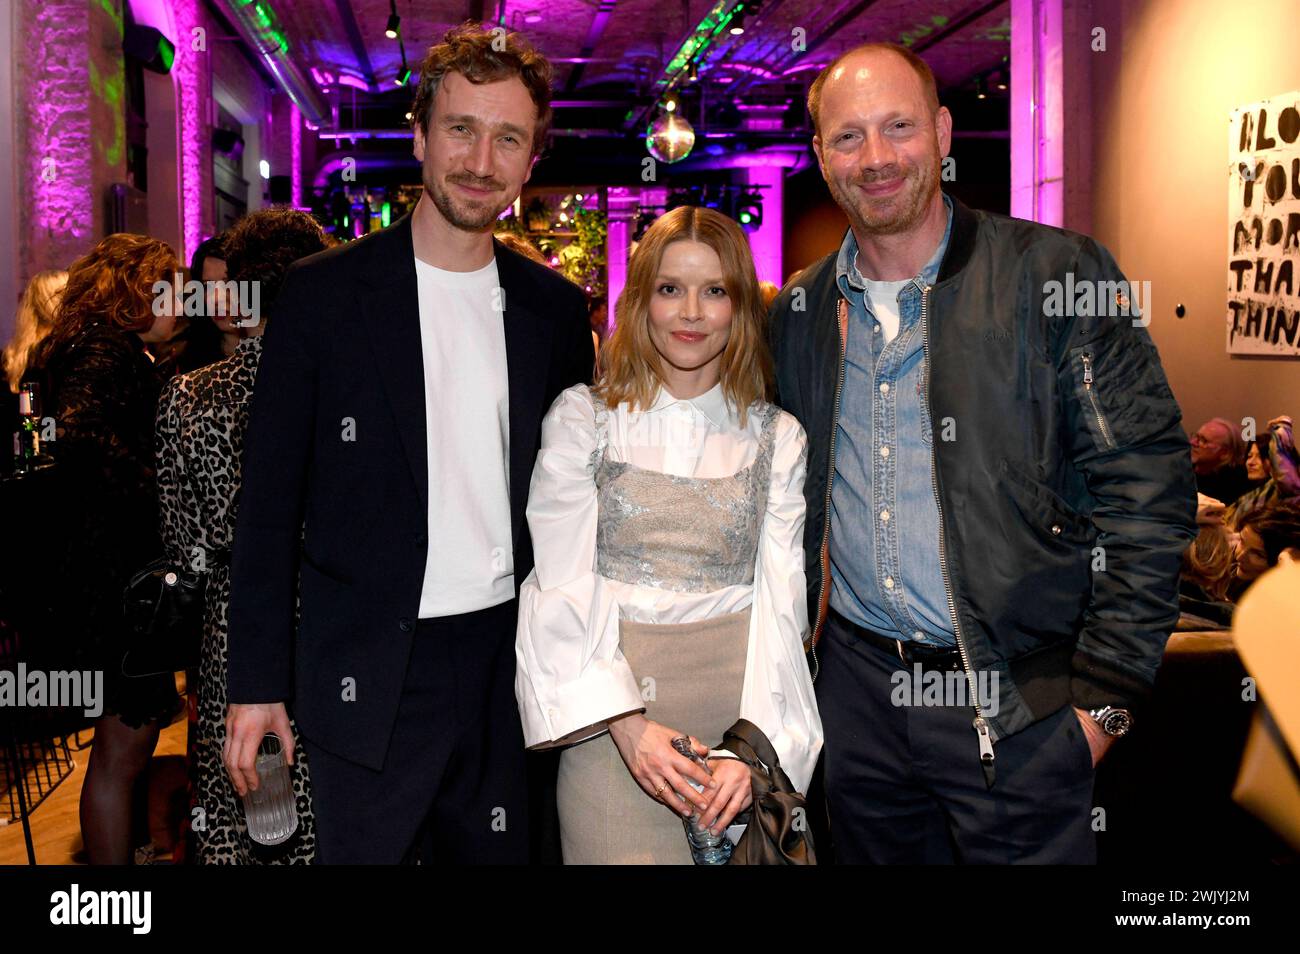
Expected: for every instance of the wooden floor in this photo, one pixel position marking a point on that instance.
(56, 828)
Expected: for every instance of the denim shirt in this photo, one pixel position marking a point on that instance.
(884, 542)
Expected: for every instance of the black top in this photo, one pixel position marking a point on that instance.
(1225, 484)
(102, 390)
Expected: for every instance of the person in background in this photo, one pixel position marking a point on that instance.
(33, 320)
(202, 418)
(1204, 583)
(214, 334)
(1267, 536)
(35, 317)
(1219, 460)
(103, 392)
(666, 509)
(1275, 466)
(598, 317)
(517, 243)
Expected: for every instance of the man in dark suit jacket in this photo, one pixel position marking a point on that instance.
(394, 426)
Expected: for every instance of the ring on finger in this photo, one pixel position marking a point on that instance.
(660, 790)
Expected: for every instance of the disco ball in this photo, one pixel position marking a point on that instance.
(670, 138)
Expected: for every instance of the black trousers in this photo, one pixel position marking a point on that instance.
(453, 787)
(904, 784)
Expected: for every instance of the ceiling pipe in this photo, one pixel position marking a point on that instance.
(243, 17)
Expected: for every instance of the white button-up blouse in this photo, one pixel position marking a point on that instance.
(572, 677)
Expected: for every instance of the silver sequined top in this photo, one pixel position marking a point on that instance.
(687, 534)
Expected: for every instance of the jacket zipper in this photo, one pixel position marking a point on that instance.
(984, 732)
(840, 331)
(1092, 396)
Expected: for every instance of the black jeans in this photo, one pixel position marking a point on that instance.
(904, 784)
(453, 787)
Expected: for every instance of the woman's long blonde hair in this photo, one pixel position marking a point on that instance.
(631, 365)
(36, 312)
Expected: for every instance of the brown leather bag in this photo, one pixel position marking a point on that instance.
(777, 832)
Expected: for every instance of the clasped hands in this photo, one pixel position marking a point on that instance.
(662, 772)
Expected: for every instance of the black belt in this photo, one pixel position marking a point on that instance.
(906, 651)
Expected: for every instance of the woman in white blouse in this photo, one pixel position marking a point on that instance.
(666, 511)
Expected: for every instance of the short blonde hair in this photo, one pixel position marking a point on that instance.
(923, 72)
(631, 365)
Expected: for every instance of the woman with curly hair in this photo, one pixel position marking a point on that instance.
(202, 419)
(102, 390)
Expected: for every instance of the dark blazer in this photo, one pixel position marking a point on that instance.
(335, 483)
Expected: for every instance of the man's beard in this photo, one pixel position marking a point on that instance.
(469, 217)
(896, 213)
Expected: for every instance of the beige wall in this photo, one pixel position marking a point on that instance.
(1161, 98)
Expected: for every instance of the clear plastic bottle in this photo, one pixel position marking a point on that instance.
(706, 847)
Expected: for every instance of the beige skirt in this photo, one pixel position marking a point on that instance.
(691, 676)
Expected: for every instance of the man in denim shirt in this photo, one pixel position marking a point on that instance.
(998, 495)
(884, 542)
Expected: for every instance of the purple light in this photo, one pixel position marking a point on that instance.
(295, 152)
(59, 164)
(347, 79)
(757, 70)
(1037, 114)
(533, 18)
(188, 76)
(766, 241)
(157, 14)
(622, 203)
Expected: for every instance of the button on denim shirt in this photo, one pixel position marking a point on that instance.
(884, 544)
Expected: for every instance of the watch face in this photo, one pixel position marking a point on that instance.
(1116, 722)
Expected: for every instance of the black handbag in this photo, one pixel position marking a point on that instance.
(778, 831)
(163, 606)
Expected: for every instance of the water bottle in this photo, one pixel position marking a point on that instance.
(271, 811)
(706, 847)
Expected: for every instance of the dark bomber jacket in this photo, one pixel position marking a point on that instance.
(1066, 438)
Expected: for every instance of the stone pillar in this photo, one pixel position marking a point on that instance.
(70, 129)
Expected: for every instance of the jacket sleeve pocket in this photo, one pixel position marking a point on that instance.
(1119, 390)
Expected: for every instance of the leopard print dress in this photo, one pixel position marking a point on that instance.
(202, 419)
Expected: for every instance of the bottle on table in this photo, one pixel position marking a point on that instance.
(27, 439)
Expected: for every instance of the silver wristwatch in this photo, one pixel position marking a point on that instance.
(1114, 722)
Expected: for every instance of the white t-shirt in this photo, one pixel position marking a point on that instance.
(883, 298)
(470, 564)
